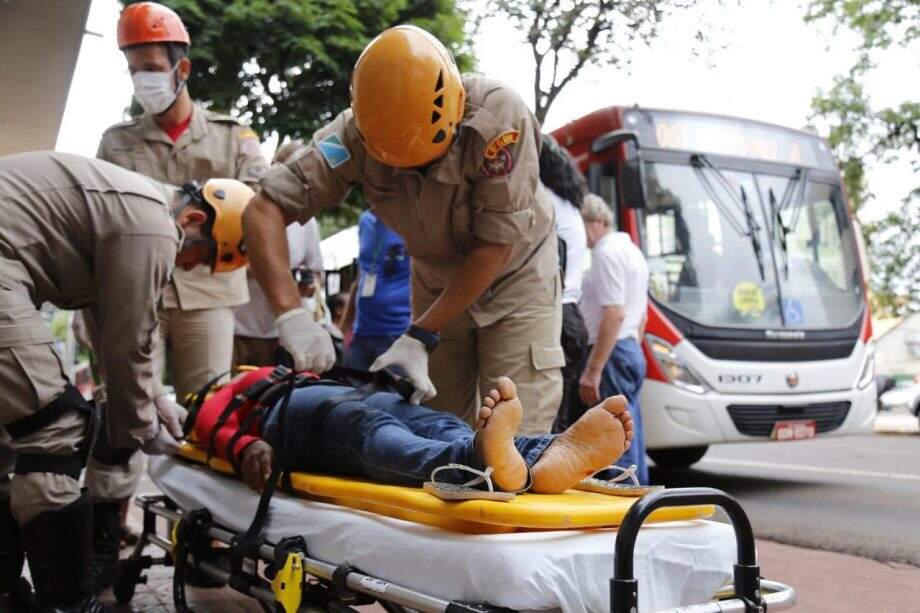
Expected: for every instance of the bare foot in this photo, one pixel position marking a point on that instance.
(498, 421)
(593, 442)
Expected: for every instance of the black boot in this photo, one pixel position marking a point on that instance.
(15, 591)
(106, 543)
(58, 546)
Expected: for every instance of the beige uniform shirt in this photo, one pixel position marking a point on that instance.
(485, 187)
(81, 233)
(212, 146)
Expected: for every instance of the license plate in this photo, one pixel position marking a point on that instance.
(795, 430)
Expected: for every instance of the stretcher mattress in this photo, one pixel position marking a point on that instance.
(571, 509)
(676, 563)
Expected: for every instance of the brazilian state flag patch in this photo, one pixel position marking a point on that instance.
(334, 151)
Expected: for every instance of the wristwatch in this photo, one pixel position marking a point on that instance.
(429, 339)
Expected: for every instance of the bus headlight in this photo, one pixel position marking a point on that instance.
(867, 372)
(677, 372)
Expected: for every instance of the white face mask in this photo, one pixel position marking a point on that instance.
(154, 91)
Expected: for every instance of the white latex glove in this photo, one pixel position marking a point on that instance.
(409, 354)
(161, 443)
(307, 342)
(171, 414)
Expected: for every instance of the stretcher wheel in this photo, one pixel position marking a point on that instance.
(126, 584)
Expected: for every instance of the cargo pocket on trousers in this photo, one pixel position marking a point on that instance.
(545, 358)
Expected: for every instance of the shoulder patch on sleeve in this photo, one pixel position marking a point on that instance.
(334, 151)
(249, 142)
(499, 166)
(500, 142)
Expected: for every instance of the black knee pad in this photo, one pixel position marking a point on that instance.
(69, 464)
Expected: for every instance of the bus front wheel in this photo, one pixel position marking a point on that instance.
(677, 457)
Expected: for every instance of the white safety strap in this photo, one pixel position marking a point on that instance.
(482, 476)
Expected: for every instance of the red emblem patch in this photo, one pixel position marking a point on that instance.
(499, 166)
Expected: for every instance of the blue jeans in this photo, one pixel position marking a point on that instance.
(382, 438)
(623, 374)
(363, 350)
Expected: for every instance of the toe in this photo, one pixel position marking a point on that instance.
(506, 388)
(487, 401)
(614, 405)
(485, 413)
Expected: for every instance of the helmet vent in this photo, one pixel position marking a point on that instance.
(439, 101)
(439, 137)
(435, 116)
(440, 85)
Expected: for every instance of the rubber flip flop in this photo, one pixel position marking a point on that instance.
(615, 486)
(465, 491)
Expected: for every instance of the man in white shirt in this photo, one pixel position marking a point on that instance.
(255, 341)
(566, 187)
(614, 302)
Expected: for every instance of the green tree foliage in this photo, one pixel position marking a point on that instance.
(284, 65)
(564, 37)
(860, 134)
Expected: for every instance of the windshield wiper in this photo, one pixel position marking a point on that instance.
(753, 229)
(701, 162)
(780, 228)
(798, 181)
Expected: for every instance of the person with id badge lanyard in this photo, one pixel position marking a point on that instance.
(379, 301)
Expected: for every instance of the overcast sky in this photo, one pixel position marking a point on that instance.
(772, 66)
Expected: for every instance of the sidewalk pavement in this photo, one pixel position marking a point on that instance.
(828, 582)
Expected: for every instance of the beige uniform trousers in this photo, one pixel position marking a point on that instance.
(200, 347)
(523, 345)
(31, 376)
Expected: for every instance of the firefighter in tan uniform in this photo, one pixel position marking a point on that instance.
(451, 164)
(174, 141)
(82, 233)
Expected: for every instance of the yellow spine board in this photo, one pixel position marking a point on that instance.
(570, 510)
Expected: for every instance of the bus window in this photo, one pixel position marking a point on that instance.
(604, 184)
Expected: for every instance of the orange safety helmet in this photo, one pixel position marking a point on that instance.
(407, 97)
(150, 22)
(228, 199)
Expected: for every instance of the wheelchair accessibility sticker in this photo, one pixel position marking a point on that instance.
(334, 151)
(792, 312)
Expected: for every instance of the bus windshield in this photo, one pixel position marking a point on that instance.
(750, 250)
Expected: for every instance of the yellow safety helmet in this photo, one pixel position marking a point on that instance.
(225, 199)
(407, 97)
(228, 199)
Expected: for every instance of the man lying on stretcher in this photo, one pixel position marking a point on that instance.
(386, 439)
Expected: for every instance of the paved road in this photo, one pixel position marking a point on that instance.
(858, 495)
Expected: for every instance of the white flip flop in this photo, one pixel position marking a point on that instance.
(615, 486)
(465, 491)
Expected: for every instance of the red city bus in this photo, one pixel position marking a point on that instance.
(758, 324)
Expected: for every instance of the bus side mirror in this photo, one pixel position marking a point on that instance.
(632, 176)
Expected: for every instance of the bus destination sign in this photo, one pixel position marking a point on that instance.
(728, 136)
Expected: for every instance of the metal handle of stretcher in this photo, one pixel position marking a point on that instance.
(751, 594)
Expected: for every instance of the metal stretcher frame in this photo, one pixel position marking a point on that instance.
(298, 582)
